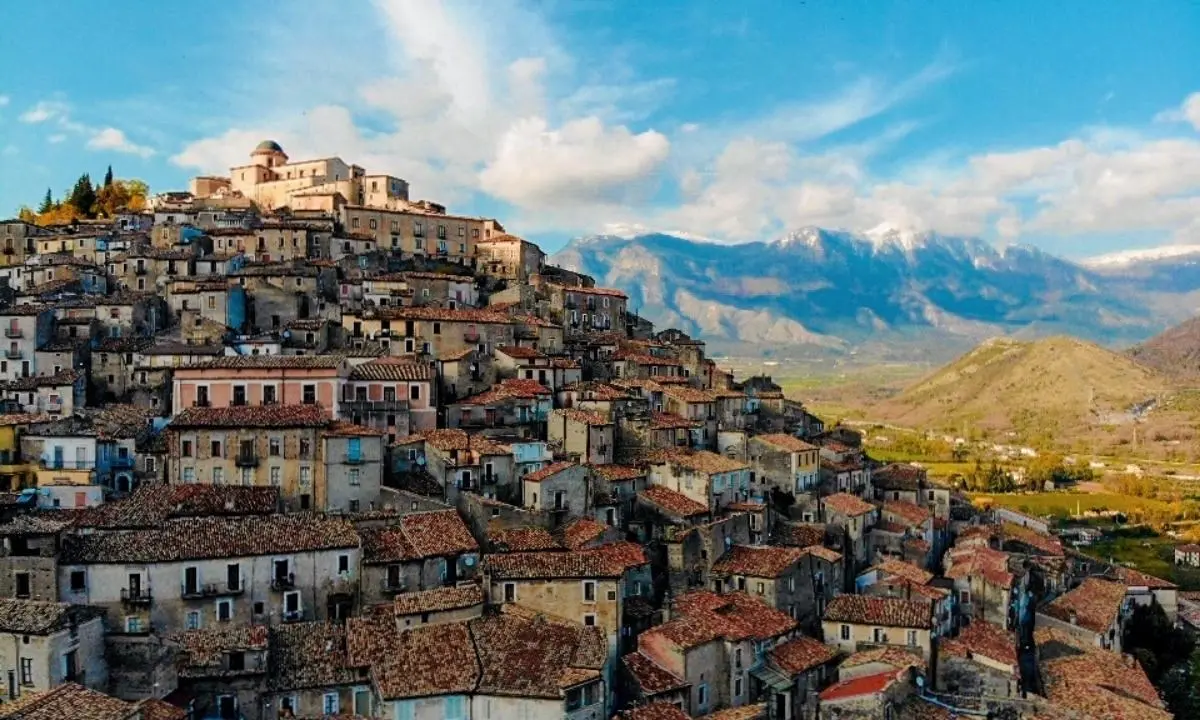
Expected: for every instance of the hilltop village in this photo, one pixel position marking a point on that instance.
(293, 445)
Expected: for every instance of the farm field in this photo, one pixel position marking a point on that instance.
(1069, 503)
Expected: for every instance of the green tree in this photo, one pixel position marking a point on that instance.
(108, 177)
(47, 203)
(83, 195)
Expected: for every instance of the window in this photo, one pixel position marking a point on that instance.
(330, 701)
(151, 464)
(268, 392)
(26, 671)
(964, 596)
(343, 563)
(761, 589)
(510, 592)
(878, 635)
(133, 624)
(189, 475)
(310, 394)
(305, 477)
(589, 591)
(224, 610)
(737, 686)
(291, 604)
(78, 581)
(193, 620)
(912, 638)
(216, 449)
(437, 328)
(702, 695)
(845, 632)
(273, 446)
(276, 476)
(352, 477)
(414, 392)
(305, 448)
(218, 477)
(185, 448)
(589, 619)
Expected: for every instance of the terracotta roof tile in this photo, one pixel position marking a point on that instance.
(581, 531)
(550, 565)
(674, 503)
(757, 561)
(618, 473)
(212, 537)
(704, 616)
(984, 639)
(1133, 578)
(308, 655)
(340, 428)
(258, 416)
(882, 611)
(785, 442)
(522, 539)
(671, 421)
(893, 656)
(435, 533)
(651, 677)
(914, 515)
(438, 599)
(701, 461)
(1095, 604)
(860, 686)
(38, 617)
(906, 570)
(202, 651)
(510, 389)
(150, 505)
(584, 417)
(1045, 543)
(69, 701)
(423, 661)
(549, 471)
(535, 657)
(846, 504)
(802, 654)
(392, 368)
(267, 362)
(653, 711)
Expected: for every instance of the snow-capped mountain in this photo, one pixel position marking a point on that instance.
(840, 290)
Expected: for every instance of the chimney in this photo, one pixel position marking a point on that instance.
(1074, 618)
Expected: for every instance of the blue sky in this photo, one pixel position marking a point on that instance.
(1072, 126)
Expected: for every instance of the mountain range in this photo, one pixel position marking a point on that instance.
(887, 294)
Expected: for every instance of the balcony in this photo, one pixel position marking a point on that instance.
(291, 616)
(54, 406)
(246, 460)
(13, 332)
(57, 463)
(201, 402)
(139, 270)
(210, 590)
(364, 407)
(13, 353)
(354, 459)
(283, 582)
(136, 597)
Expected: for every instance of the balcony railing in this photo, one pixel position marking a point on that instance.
(53, 463)
(54, 406)
(13, 332)
(13, 353)
(290, 616)
(354, 459)
(374, 406)
(136, 596)
(208, 590)
(283, 582)
(246, 460)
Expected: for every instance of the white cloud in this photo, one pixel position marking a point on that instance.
(43, 111)
(1188, 112)
(579, 162)
(56, 138)
(113, 139)
(4, 100)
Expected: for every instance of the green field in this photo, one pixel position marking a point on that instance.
(1069, 503)
(1148, 552)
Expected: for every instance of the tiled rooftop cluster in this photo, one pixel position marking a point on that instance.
(294, 440)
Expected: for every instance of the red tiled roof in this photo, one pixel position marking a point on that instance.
(438, 599)
(859, 686)
(467, 315)
(689, 394)
(913, 514)
(590, 291)
(582, 531)
(1134, 578)
(519, 353)
(436, 533)
(1031, 537)
(757, 561)
(522, 539)
(618, 473)
(675, 503)
(783, 441)
(269, 362)
(671, 421)
(550, 565)
(704, 616)
(882, 611)
(893, 656)
(906, 570)
(621, 554)
(510, 389)
(584, 417)
(846, 504)
(392, 368)
(1095, 604)
(345, 429)
(653, 711)
(549, 471)
(984, 639)
(652, 678)
(802, 654)
(257, 416)
(701, 461)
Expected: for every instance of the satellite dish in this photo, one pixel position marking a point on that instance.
(421, 461)
(468, 561)
(287, 334)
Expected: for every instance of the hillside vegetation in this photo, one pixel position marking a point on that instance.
(1047, 389)
(1175, 351)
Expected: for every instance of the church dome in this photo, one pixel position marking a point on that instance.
(268, 146)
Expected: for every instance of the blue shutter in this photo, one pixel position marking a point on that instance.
(354, 449)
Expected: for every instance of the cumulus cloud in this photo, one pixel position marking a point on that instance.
(111, 138)
(1188, 112)
(44, 111)
(579, 162)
